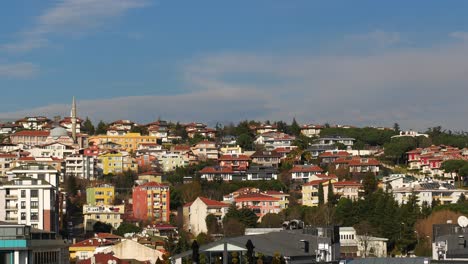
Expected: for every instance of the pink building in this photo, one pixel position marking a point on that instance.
(260, 203)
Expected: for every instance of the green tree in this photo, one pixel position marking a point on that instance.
(88, 127)
(100, 227)
(233, 227)
(71, 185)
(321, 195)
(369, 183)
(331, 197)
(271, 220)
(212, 224)
(396, 127)
(204, 238)
(125, 228)
(245, 141)
(295, 128)
(101, 128)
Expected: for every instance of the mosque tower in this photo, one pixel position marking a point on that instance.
(73, 120)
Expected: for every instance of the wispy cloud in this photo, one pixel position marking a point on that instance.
(460, 35)
(74, 17)
(417, 88)
(19, 70)
(376, 39)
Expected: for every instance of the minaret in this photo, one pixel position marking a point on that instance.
(73, 120)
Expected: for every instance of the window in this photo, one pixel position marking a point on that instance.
(34, 216)
(23, 205)
(23, 193)
(34, 193)
(23, 216)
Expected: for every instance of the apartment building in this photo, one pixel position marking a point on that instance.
(100, 195)
(151, 201)
(109, 214)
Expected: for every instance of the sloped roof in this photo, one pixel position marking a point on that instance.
(306, 168)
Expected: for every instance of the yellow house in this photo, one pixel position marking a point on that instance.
(117, 163)
(129, 141)
(100, 195)
(310, 191)
(84, 249)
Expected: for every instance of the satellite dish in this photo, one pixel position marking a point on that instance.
(463, 221)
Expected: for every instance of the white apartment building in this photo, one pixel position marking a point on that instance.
(29, 201)
(81, 166)
(427, 191)
(6, 163)
(109, 214)
(195, 214)
(58, 150)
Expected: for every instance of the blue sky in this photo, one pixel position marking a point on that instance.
(353, 62)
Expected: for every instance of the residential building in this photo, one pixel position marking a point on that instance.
(311, 130)
(199, 129)
(274, 140)
(304, 172)
(57, 150)
(109, 214)
(428, 191)
(358, 165)
(151, 201)
(361, 246)
(348, 189)
(54, 162)
(34, 122)
(100, 195)
(328, 157)
(283, 198)
(259, 203)
(117, 162)
(265, 128)
(129, 141)
(266, 158)
(228, 141)
(230, 149)
(29, 137)
(128, 249)
(21, 244)
(309, 245)
(206, 150)
(68, 124)
(450, 241)
(30, 201)
(261, 173)
(217, 172)
(196, 212)
(7, 162)
(410, 134)
(170, 161)
(8, 128)
(332, 140)
(429, 160)
(87, 248)
(238, 162)
(81, 166)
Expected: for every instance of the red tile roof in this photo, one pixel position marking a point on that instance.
(37, 133)
(217, 169)
(334, 154)
(92, 242)
(316, 182)
(234, 157)
(347, 183)
(306, 168)
(2, 155)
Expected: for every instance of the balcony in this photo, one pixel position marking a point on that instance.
(11, 208)
(11, 196)
(11, 218)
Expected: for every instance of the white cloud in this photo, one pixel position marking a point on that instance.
(19, 70)
(71, 17)
(377, 39)
(459, 35)
(418, 88)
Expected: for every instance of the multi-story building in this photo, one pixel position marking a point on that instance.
(259, 203)
(129, 141)
(331, 140)
(34, 122)
(6, 163)
(195, 214)
(206, 150)
(238, 162)
(151, 201)
(57, 150)
(330, 156)
(29, 201)
(358, 165)
(311, 130)
(283, 198)
(429, 160)
(55, 163)
(28, 137)
(81, 166)
(116, 162)
(216, 172)
(428, 191)
(171, 161)
(265, 128)
(347, 189)
(100, 195)
(21, 244)
(109, 214)
(304, 172)
(266, 158)
(274, 140)
(261, 173)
